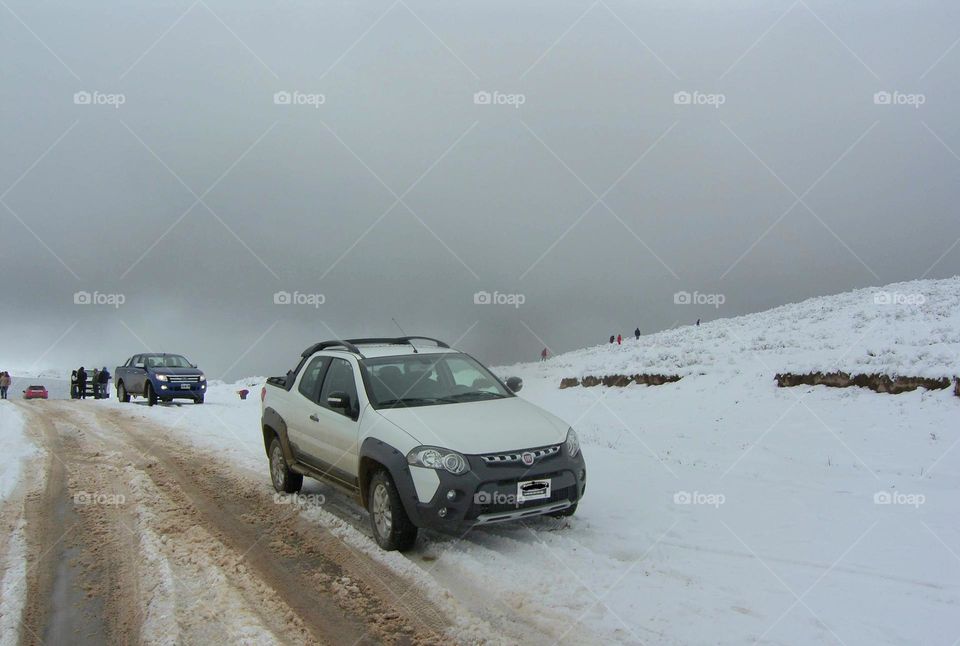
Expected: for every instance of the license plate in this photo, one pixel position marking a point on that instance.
(530, 490)
(184, 386)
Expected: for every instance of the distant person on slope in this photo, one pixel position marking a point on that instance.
(698, 322)
(81, 383)
(612, 338)
(619, 339)
(543, 355)
(636, 333)
(96, 383)
(4, 384)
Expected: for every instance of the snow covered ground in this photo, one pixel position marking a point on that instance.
(15, 448)
(17, 452)
(719, 509)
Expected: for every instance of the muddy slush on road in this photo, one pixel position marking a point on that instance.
(131, 537)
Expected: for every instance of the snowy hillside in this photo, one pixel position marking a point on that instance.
(910, 329)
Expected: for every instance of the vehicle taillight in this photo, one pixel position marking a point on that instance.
(263, 394)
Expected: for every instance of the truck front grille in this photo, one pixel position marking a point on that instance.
(516, 457)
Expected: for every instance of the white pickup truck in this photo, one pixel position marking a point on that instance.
(423, 435)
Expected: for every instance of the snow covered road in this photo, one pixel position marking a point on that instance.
(133, 537)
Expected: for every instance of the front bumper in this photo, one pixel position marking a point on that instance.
(176, 389)
(488, 493)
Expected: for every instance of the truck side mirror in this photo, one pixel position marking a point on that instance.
(339, 401)
(515, 384)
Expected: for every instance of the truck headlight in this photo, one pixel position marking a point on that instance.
(572, 443)
(433, 457)
(162, 377)
(203, 377)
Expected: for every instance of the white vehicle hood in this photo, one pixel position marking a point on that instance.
(472, 428)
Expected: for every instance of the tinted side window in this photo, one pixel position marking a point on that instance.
(310, 381)
(339, 379)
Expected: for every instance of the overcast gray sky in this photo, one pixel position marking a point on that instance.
(628, 151)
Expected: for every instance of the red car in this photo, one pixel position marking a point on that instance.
(35, 392)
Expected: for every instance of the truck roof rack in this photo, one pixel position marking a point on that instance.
(350, 345)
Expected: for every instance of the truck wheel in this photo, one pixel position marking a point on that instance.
(392, 528)
(284, 480)
(122, 393)
(150, 394)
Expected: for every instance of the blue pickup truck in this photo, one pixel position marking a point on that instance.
(160, 377)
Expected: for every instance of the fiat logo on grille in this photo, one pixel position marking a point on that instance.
(527, 457)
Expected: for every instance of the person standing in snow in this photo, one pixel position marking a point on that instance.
(96, 383)
(81, 383)
(698, 322)
(612, 338)
(619, 339)
(636, 333)
(4, 384)
(543, 355)
(104, 377)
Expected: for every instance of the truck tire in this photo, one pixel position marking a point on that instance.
(284, 480)
(122, 393)
(150, 394)
(392, 528)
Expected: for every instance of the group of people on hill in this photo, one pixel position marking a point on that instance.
(99, 379)
(614, 338)
(619, 338)
(4, 384)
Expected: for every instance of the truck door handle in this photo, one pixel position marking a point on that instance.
(315, 418)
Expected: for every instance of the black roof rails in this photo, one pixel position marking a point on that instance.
(351, 344)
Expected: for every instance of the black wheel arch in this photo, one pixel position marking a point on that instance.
(375, 455)
(274, 427)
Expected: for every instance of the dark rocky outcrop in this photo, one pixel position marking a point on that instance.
(618, 381)
(876, 382)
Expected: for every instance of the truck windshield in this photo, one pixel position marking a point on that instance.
(428, 380)
(167, 361)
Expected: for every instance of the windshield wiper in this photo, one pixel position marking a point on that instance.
(477, 394)
(415, 401)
